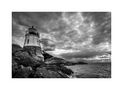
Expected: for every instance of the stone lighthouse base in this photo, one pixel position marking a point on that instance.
(34, 51)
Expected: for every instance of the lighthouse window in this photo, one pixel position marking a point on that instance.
(28, 41)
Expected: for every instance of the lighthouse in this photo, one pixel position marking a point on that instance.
(32, 42)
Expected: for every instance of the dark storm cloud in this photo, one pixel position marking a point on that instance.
(69, 30)
(103, 26)
(37, 19)
(16, 30)
(21, 21)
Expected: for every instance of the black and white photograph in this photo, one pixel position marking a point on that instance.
(61, 44)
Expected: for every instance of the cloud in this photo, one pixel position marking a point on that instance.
(81, 54)
(102, 26)
(87, 52)
(83, 31)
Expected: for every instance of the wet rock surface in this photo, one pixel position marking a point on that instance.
(26, 65)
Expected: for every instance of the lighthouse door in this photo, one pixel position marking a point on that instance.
(28, 41)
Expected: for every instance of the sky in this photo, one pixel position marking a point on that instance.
(75, 34)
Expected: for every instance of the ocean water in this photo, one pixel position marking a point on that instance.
(93, 70)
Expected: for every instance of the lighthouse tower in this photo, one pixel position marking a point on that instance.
(32, 43)
(32, 37)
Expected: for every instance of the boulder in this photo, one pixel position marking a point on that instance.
(22, 72)
(45, 73)
(24, 58)
(16, 47)
(57, 61)
(46, 55)
(65, 72)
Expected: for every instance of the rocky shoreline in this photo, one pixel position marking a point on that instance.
(25, 65)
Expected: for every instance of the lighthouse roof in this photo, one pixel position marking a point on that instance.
(33, 31)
